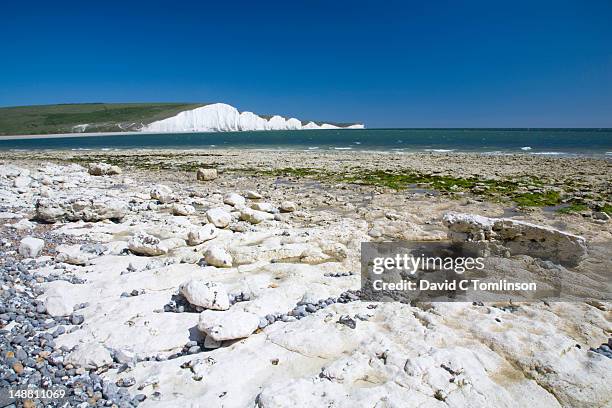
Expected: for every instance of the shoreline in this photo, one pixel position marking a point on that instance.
(102, 134)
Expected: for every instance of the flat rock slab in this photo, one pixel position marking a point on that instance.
(79, 208)
(499, 235)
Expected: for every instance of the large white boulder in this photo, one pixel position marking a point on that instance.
(218, 256)
(498, 235)
(219, 217)
(209, 295)
(197, 236)
(227, 325)
(31, 247)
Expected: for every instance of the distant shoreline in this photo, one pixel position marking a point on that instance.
(68, 135)
(100, 134)
(96, 134)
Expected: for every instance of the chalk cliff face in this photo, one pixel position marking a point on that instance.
(220, 117)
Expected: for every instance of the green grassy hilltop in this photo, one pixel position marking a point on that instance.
(99, 117)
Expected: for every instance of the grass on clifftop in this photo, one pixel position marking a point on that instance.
(100, 117)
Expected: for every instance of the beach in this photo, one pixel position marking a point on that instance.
(232, 277)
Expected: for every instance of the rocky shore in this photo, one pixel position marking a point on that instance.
(231, 278)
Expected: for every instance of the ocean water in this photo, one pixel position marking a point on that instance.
(554, 142)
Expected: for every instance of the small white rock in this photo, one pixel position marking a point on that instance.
(198, 235)
(217, 256)
(22, 182)
(103, 169)
(288, 206)
(209, 295)
(227, 325)
(59, 306)
(219, 217)
(266, 207)
(162, 193)
(183, 209)
(90, 356)
(233, 199)
(145, 244)
(31, 247)
(375, 232)
(254, 216)
(206, 174)
(211, 343)
(253, 195)
(125, 356)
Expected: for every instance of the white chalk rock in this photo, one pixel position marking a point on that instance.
(219, 217)
(145, 244)
(72, 254)
(211, 343)
(103, 169)
(183, 209)
(46, 180)
(483, 234)
(79, 208)
(125, 356)
(198, 235)
(206, 174)
(288, 206)
(233, 199)
(266, 207)
(217, 256)
(227, 325)
(90, 356)
(209, 295)
(375, 232)
(162, 193)
(22, 225)
(31, 247)
(253, 195)
(59, 306)
(254, 216)
(22, 182)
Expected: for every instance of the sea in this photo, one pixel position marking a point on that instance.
(546, 142)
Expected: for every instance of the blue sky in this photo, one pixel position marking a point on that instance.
(386, 63)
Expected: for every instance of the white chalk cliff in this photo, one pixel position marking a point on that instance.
(220, 117)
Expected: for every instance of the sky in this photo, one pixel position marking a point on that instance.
(384, 63)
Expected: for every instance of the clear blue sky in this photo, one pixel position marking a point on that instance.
(386, 63)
